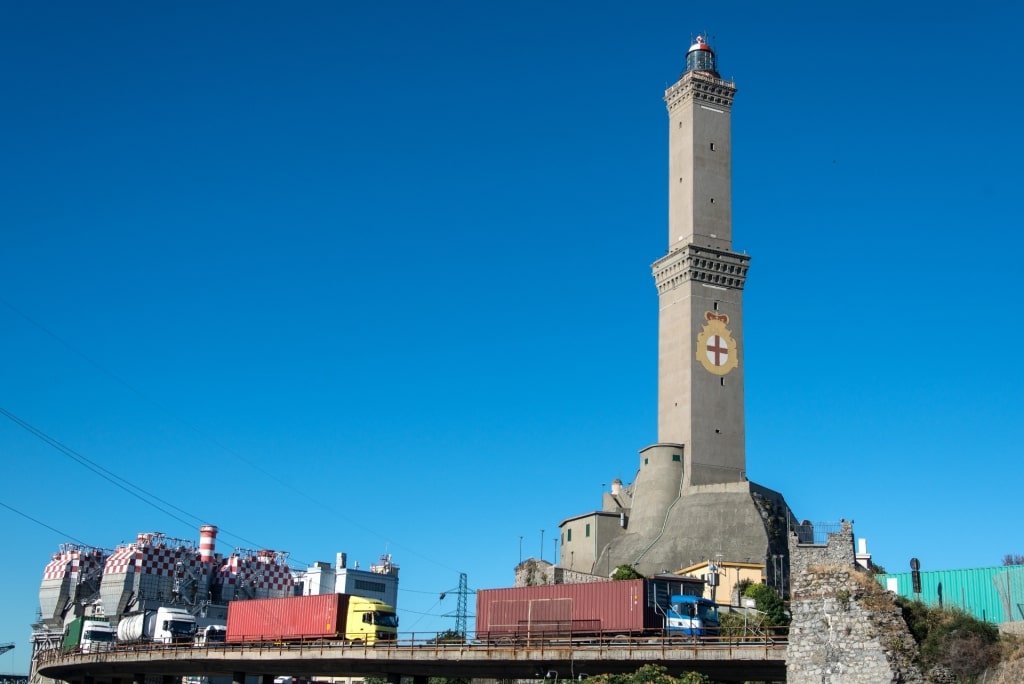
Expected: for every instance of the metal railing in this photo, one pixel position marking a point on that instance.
(433, 643)
(816, 533)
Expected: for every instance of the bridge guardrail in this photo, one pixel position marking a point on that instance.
(432, 642)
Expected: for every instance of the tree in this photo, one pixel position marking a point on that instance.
(733, 624)
(625, 572)
(768, 602)
(1013, 559)
(649, 674)
(450, 636)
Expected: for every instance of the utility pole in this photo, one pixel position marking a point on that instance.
(460, 613)
(460, 610)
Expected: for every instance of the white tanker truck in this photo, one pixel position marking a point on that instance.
(160, 626)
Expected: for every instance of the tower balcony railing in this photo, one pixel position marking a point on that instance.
(815, 533)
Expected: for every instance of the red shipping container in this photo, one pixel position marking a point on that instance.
(284, 619)
(618, 607)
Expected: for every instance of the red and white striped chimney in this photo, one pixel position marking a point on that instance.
(207, 542)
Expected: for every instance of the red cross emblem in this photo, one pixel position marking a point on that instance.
(718, 350)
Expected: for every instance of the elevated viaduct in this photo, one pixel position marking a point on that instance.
(722, 661)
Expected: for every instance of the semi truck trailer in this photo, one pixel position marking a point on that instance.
(340, 617)
(654, 606)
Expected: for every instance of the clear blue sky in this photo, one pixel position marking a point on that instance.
(375, 278)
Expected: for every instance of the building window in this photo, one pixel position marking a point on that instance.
(676, 458)
(588, 530)
(568, 535)
(377, 587)
(712, 147)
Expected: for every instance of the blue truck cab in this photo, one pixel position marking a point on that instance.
(692, 616)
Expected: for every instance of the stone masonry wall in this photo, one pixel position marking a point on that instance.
(846, 628)
(532, 572)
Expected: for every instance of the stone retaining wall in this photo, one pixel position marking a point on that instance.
(846, 629)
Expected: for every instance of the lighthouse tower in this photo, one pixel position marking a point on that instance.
(691, 501)
(700, 283)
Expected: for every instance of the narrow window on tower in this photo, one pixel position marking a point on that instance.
(712, 147)
(716, 306)
(721, 381)
(588, 529)
(568, 535)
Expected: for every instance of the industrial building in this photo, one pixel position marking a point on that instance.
(156, 571)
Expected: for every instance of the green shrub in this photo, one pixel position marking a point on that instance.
(768, 602)
(626, 572)
(951, 638)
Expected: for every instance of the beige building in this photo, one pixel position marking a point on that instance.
(730, 575)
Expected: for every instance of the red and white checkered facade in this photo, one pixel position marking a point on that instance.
(148, 558)
(155, 567)
(263, 571)
(72, 561)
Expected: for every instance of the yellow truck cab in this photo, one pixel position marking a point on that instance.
(370, 621)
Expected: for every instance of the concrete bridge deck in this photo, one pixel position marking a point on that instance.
(723, 660)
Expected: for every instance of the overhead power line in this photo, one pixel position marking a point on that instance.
(300, 492)
(41, 523)
(135, 490)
